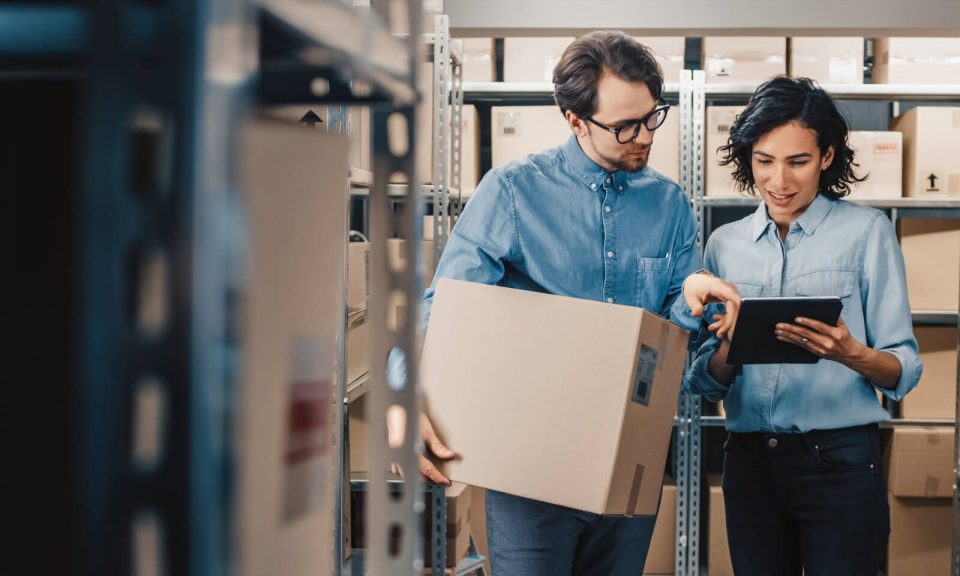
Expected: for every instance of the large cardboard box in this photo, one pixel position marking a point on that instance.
(669, 52)
(936, 395)
(479, 64)
(916, 61)
(921, 462)
(743, 60)
(532, 59)
(358, 275)
(880, 158)
(522, 130)
(293, 310)
(931, 252)
(662, 557)
(357, 348)
(827, 60)
(572, 385)
(931, 168)
(718, 551)
(921, 530)
(719, 179)
(359, 445)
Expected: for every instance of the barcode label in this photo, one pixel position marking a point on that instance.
(646, 368)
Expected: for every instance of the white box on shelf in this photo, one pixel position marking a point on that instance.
(743, 60)
(719, 179)
(916, 61)
(522, 130)
(879, 156)
(532, 59)
(827, 60)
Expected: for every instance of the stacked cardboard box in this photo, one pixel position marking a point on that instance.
(719, 179)
(879, 156)
(538, 351)
(827, 60)
(931, 252)
(718, 551)
(479, 64)
(532, 59)
(916, 61)
(920, 480)
(936, 395)
(930, 167)
(662, 557)
(743, 60)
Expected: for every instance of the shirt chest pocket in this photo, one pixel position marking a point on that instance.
(824, 283)
(653, 282)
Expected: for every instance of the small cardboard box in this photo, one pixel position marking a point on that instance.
(936, 394)
(879, 156)
(669, 52)
(358, 275)
(931, 253)
(718, 552)
(930, 133)
(359, 436)
(561, 377)
(522, 130)
(827, 60)
(916, 61)
(719, 179)
(743, 60)
(662, 557)
(469, 150)
(921, 462)
(532, 59)
(357, 348)
(478, 60)
(921, 530)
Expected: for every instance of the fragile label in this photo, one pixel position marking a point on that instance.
(646, 368)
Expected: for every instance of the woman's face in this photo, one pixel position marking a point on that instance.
(786, 171)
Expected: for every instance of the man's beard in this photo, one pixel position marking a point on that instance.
(626, 162)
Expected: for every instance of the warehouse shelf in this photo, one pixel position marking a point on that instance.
(881, 203)
(29, 31)
(935, 318)
(356, 389)
(350, 48)
(360, 178)
(456, 49)
(402, 191)
(529, 89)
(719, 421)
(882, 92)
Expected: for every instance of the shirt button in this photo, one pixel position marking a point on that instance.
(772, 442)
(609, 180)
(593, 186)
(610, 300)
(610, 254)
(606, 209)
(620, 188)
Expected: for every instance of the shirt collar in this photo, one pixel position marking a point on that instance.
(591, 173)
(809, 221)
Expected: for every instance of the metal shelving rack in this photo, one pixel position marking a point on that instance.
(896, 208)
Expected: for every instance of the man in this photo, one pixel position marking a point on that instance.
(587, 219)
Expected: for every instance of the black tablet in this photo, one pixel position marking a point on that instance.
(754, 340)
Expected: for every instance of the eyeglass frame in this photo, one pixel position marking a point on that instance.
(661, 107)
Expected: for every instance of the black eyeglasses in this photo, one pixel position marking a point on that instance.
(627, 131)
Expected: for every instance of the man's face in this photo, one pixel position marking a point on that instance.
(618, 102)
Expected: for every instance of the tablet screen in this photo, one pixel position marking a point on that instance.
(754, 340)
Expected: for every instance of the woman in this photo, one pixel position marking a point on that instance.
(803, 484)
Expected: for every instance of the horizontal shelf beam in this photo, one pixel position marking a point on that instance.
(949, 206)
(528, 89)
(504, 18)
(718, 421)
(880, 92)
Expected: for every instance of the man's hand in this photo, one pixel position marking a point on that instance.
(430, 443)
(702, 289)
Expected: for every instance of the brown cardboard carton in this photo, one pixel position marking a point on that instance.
(930, 167)
(522, 130)
(921, 462)
(358, 275)
(359, 435)
(920, 536)
(478, 61)
(743, 60)
(880, 159)
(478, 523)
(665, 152)
(357, 348)
(936, 394)
(669, 52)
(359, 128)
(532, 59)
(931, 253)
(719, 179)
(916, 61)
(293, 309)
(827, 60)
(560, 377)
(718, 552)
(662, 557)
(469, 150)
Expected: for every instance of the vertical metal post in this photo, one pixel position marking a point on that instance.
(393, 514)
(456, 140)
(955, 549)
(441, 134)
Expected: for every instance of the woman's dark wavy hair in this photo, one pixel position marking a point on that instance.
(576, 75)
(782, 100)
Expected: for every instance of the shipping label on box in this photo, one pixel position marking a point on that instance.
(743, 60)
(879, 157)
(827, 60)
(558, 375)
(931, 167)
(719, 180)
(921, 462)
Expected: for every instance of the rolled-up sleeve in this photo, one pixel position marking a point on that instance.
(889, 325)
(698, 379)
